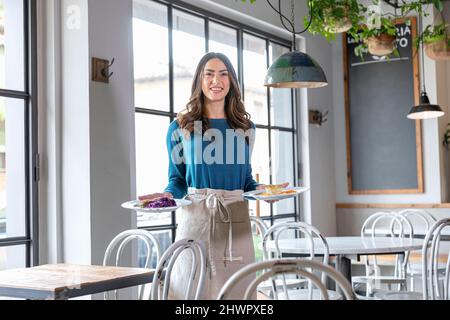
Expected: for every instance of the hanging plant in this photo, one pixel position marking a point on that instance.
(333, 16)
(446, 141)
(378, 41)
(436, 41)
(329, 17)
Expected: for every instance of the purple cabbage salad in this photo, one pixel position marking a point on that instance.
(159, 203)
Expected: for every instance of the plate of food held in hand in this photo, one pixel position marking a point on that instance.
(274, 193)
(163, 204)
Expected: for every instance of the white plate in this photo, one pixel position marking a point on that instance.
(134, 205)
(254, 195)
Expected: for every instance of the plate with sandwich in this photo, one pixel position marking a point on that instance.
(274, 193)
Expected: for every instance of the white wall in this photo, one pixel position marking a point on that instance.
(111, 123)
(75, 140)
(86, 129)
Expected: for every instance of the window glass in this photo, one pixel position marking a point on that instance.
(286, 234)
(151, 153)
(12, 257)
(224, 40)
(260, 169)
(283, 167)
(12, 168)
(12, 53)
(188, 49)
(280, 99)
(151, 67)
(165, 240)
(255, 67)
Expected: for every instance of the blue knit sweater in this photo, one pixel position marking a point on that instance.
(222, 162)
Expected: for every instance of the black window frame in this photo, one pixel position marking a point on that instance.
(29, 96)
(241, 29)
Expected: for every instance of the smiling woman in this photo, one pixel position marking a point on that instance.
(218, 214)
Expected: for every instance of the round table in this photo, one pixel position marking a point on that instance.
(347, 248)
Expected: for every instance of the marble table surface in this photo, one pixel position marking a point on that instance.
(349, 245)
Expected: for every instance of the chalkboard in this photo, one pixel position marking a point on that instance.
(384, 149)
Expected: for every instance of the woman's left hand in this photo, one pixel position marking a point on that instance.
(263, 186)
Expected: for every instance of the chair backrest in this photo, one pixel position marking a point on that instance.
(301, 267)
(161, 279)
(118, 245)
(261, 227)
(419, 217)
(387, 224)
(430, 255)
(310, 232)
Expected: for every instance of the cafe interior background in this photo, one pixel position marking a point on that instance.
(89, 146)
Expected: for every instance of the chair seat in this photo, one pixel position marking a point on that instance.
(416, 269)
(303, 294)
(399, 295)
(378, 279)
(290, 284)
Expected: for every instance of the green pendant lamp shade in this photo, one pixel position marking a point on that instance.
(425, 110)
(295, 70)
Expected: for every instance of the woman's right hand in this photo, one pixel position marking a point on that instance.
(154, 196)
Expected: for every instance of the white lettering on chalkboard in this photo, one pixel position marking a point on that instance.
(403, 42)
(403, 31)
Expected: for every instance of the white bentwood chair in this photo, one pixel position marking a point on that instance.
(310, 233)
(118, 245)
(383, 224)
(303, 268)
(421, 220)
(266, 286)
(194, 284)
(431, 289)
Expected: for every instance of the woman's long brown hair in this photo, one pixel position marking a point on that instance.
(235, 112)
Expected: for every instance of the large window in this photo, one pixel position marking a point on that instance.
(168, 43)
(18, 226)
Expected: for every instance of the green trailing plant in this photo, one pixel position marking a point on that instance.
(433, 33)
(446, 141)
(418, 6)
(328, 16)
(386, 27)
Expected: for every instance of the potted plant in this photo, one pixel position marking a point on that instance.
(434, 38)
(379, 40)
(333, 16)
(446, 141)
(436, 41)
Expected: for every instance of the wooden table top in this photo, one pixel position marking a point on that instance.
(63, 281)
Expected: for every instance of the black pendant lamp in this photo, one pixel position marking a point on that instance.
(294, 69)
(425, 110)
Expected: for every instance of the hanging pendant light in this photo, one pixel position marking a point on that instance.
(425, 110)
(294, 69)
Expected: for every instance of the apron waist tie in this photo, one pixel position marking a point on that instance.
(217, 205)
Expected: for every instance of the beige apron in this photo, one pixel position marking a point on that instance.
(220, 218)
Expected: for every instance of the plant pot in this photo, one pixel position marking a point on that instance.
(381, 45)
(339, 26)
(438, 50)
